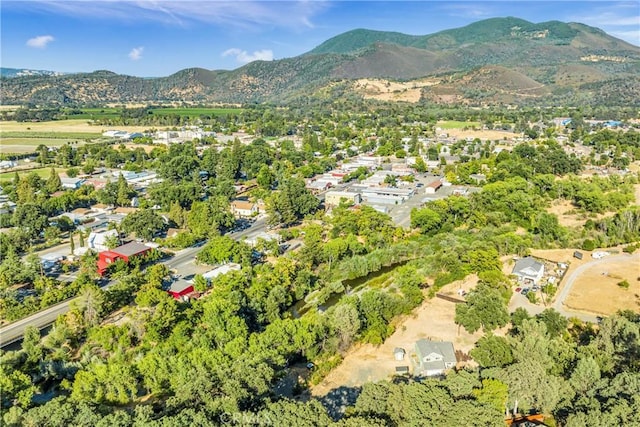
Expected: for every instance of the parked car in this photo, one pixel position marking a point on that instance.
(518, 290)
(525, 291)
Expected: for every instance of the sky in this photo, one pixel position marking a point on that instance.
(151, 38)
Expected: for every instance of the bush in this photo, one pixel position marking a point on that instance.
(624, 284)
(630, 248)
(588, 245)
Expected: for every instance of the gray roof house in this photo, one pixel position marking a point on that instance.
(528, 270)
(434, 357)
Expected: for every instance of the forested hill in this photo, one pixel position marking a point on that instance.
(565, 63)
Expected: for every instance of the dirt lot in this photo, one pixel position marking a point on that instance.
(76, 125)
(592, 291)
(433, 319)
(596, 289)
(493, 135)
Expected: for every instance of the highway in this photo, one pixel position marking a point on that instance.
(180, 262)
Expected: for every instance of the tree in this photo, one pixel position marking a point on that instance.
(426, 219)
(54, 183)
(491, 351)
(493, 392)
(291, 203)
(484, 308)
(31, 219)
(265, 178)
(344, 319)
(91, 303)
(199, 283)
(72, 244)
(124, 192)
(145, 223)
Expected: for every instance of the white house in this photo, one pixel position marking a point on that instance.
(243, 208)
(528, 270)
(97, 240)
(434, 357)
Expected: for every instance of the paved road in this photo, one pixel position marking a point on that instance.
(181, 262)
(558, 305)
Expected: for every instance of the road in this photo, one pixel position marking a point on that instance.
(519, 300)
(181, 262)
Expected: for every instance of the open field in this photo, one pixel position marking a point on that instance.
(569, 217)
(60, 126)
(596, 289)
(42, 173)
(454, 124)
(28, 145)
(433, 319)
(484, 135)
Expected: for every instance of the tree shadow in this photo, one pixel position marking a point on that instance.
(338, 399)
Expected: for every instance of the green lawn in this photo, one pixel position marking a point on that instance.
(42, 173)
(454, 124)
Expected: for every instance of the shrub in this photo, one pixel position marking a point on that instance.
(624, 284)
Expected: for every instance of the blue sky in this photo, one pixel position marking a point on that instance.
(157, 38)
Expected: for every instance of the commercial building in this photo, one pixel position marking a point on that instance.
(125, 252)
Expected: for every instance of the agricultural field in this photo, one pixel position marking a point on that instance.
(28, 145)
(197, 111)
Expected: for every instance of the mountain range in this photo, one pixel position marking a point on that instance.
(494, 61)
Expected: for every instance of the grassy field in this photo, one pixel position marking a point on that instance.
(42, 173)
(28, 135)
(454, 124)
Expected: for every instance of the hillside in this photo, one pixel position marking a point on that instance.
(546, 62)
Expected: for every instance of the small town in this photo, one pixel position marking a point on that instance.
(376, 228)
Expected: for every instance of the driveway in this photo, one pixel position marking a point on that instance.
(518, 300)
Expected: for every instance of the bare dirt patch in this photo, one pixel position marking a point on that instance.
(596, 290)
(386, 90)
(75, 125)
(484, 135)
(432, 320)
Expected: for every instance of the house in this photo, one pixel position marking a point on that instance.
(98, 240)
(7, 164)
(434, 357)
(72, 183)
(243, 208)
(125, 252)
(181, 290)
(528, 270)
(223, 269)
(432, 187)
(318, 186)
(333, 198)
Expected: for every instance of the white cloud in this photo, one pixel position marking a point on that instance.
(243, 57)
(246, 13)
(40, 42)
(136, 53)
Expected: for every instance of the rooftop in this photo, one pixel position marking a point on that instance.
(131, 248)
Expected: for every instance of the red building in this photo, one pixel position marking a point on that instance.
(124, 252)
(181, 290)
